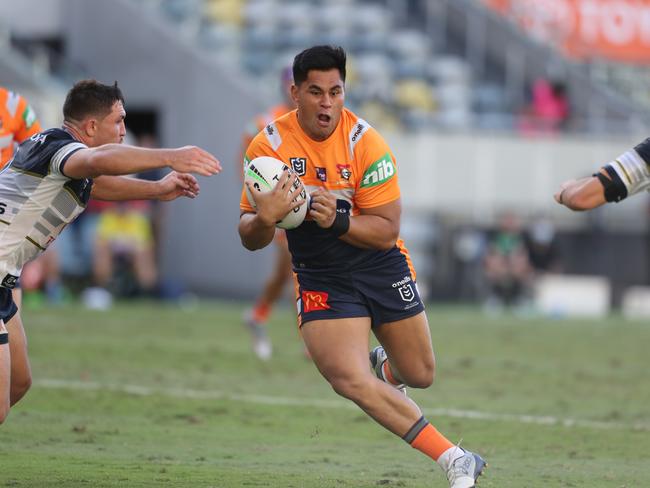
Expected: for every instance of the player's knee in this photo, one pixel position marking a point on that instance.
(20, 388)
(350, 387)
(422, 376)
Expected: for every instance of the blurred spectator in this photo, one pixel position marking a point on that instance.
(542, 247)
(508, 271)
(548, 111)
(469, 248)
(124, 237)
(124, 253)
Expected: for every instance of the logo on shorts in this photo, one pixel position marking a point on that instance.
(312, 301)
(406, 292)
(405, 289)
(9, 281)
(299, 165)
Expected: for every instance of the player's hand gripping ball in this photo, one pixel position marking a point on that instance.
(262, 174)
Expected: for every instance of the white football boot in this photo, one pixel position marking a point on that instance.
(377, 359)
(464, 470)
(260, 337)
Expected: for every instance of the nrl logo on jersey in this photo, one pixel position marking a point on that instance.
(379, 172)
(299, 165)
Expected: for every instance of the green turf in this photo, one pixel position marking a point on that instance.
(175, 398)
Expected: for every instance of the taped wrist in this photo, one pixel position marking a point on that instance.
(615, 189)
(341, 224)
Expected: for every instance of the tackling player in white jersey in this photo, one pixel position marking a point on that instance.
(626, 175)
(47, 185)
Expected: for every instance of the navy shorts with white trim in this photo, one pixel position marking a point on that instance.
(384, 290)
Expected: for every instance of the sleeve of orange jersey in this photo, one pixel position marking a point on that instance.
(258, 147)
(375, 162)
(29, 124)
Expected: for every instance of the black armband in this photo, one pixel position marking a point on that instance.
(341, 224)
(615, 189)
(4, 338)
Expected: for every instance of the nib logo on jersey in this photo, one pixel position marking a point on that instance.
(379, 172)
(405, 289)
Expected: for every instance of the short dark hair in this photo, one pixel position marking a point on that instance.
(321, 58)
(90, 97)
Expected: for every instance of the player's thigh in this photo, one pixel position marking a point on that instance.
(338, 347)
(408, 345)
(20, 369)
(17, 295)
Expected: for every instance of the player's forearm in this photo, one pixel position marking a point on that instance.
(371, 232)
(116, 188)
(254, 233)
(583, 194)
(120, 159)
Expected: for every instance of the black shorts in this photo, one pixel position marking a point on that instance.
(7, 306)
(385, 291)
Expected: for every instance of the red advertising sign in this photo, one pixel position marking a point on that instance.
(610, 29)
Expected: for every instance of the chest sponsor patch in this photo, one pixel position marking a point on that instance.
(321, 173)
(378, 172)
(344, 170)
(29, 116)
(313, 301)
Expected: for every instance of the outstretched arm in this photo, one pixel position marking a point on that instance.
(170, 187)
(624, 176)
(121, 159)
(582, 194)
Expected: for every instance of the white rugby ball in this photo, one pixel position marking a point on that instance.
(262, 174)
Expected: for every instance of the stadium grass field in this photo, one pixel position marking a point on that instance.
(153, 395)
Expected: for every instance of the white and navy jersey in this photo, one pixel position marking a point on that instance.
(37, 200)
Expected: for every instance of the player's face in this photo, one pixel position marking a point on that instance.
(111, 128)
(320, 100)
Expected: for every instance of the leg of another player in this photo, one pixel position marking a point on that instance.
(21, 374)
(342, 358)
(5, 373)
(256, 318)
(274, 285)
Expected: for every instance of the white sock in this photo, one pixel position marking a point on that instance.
(449, 456)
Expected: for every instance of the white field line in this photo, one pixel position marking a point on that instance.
(190, 394)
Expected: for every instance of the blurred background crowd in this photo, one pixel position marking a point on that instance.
(487, 104)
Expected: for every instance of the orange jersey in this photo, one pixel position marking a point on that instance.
(17, 123)
(259, 122)
(354, 163)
